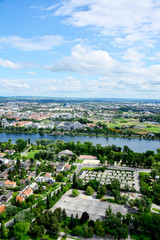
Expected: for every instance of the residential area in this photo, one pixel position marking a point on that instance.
(124, 119)
(85, 184)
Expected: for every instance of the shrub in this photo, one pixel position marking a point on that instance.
(75, 193)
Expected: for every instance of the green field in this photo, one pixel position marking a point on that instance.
(146, 127)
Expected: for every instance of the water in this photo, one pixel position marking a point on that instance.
(137, 145)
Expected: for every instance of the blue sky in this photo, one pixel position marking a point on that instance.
(83, 48)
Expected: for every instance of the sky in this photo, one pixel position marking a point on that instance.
(80, 48)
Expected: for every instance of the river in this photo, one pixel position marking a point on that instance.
(137, 145)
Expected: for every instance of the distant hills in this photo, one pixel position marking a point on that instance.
(65, 99)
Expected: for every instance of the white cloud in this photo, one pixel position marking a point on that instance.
(156, 57)
(14, 84)
(9, 64)
(109, 74)
(87, 61)
(133, 56)
(32, 44)
(131, 21)
(32, 73)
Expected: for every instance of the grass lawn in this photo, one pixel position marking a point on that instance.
(15, 194)
(31, 154)
(80, 161)
(138, 234)
(155, 209)
(144, 173)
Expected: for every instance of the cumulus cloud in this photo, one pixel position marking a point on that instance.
(32, 44)
(9, 64)
(87, 61)
(108, 74)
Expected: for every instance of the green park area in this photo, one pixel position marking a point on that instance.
(134, 125)
(31, 153)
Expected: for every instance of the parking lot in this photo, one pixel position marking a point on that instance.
(83, 203)
(124, 177)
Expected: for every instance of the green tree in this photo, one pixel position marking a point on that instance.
(64, 215)
(74, 178)
(84, 217)
(88, 231)
(11, 210)
(60, 177)
(18, 162)
(89, 190)
(66, 230)
(115, 184)
(154, 172)
(2, 230)
(116, 194)
(55, 227)
(78, 183)
(37, 230)
(101, 191)
(99, 229)
(20, 229)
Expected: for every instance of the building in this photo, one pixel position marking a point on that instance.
(68, 166)
(49, 180)
(4, 160)
(4, 175)
(47, 175)
(20, 199)
(65, 153)
(10, 152)
(1, 183)
(68, 126)
(40, 179)
(2, 208)
(28, 192)
(7, 197)
(34, 186)
(9, 184)
(23, 181)
(25, 164)
(60, 167)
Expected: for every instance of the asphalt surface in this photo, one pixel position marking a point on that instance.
(83, 203)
